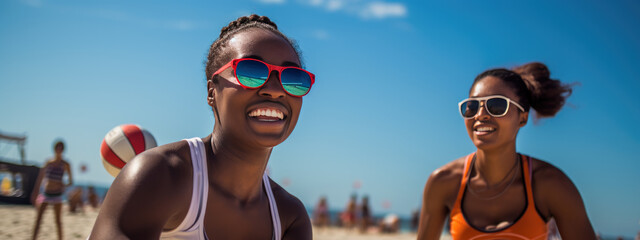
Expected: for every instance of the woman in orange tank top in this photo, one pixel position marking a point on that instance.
(495, 192)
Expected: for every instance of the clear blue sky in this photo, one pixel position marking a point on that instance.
(383, 110)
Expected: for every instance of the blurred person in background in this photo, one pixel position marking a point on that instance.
(52, 174)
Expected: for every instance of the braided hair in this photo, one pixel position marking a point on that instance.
(534, 87)
(216, 59)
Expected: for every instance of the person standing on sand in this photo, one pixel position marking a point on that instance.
(348, 216)
(52, 173)
(321, 213)
(365, 214)
(92, 197)
(415, 219)
(75, 200)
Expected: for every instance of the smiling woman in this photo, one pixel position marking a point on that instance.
(496, 192)
(216, 186)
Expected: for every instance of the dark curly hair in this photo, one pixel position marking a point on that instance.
(58, 143)
(217, 58)
(534, 87)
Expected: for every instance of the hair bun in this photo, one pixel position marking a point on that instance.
(534, 71)
(547, 95)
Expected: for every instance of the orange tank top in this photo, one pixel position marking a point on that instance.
(529, 226)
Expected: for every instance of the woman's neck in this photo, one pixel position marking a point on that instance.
(493, 165)
(236, 169)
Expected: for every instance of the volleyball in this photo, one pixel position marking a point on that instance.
(123, 143)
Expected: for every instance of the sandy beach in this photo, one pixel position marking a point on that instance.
(17, 223)
(334, 233)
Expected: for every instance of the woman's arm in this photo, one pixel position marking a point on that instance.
(300, 228)
(149, 193)
(36, 185)
(564, 203)
(434, 209)
(67, 168)
(293, 215)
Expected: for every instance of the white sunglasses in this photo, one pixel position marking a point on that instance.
(495, 105)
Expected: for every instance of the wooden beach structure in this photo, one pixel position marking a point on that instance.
(17, 178)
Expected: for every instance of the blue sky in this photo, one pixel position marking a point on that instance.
(383, 110)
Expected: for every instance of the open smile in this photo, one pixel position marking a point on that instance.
(483, 130)
(267, 114)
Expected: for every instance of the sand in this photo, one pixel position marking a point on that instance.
(16, 222)
(334, 233)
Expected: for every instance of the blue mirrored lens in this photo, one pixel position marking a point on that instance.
(252, 73)
(295, 81)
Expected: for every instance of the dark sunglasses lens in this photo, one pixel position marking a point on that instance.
(497, 106)
(252, 73)
(469, 108)
(295, 81)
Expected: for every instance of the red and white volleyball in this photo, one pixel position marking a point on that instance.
(123, 143)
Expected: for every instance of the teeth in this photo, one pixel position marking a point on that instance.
(485, 129)
(267, 113)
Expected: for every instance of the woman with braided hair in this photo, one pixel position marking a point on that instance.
(216, 187)
(496, 192)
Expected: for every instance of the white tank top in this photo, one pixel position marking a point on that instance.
(192, 227)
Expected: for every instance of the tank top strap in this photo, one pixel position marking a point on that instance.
(200, 190)
(467, 167)
(273, 207)
(464, 180)
(528, 177)
(199, 162)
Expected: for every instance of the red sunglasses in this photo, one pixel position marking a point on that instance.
(252, 73)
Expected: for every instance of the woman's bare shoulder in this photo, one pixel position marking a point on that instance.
(288, 204)
(165, 167)
(173, 154)
(48, 162)
(551, 187)
(450, 173)
(66, 164)
(443, 184)
(148, 193)
(293, 214)
(546, 174)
